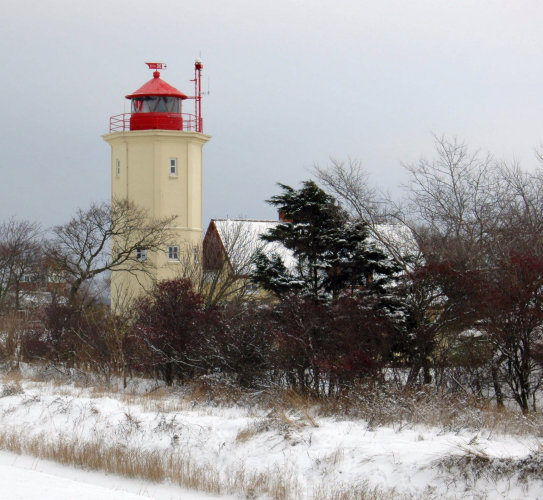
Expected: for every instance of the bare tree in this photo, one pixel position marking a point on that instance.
(349, 182)
(456, 197)
(452, 207)
(518, 223)
(21, 255)
(103, 238)
(227, 261)
(483, 222)
(220, 270)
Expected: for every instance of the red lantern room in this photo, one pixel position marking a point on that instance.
(158, 105)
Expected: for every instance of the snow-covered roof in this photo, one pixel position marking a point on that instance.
(241, 240)
(398, 237)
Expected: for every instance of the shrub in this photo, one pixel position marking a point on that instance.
(239, 344)
(170, 323)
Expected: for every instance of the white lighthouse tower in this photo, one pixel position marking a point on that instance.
(156, 163)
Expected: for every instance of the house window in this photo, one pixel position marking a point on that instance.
(173, 253)
(118, 167)
(141, 253)
(173, 167)
(55, 277)
(251, 289)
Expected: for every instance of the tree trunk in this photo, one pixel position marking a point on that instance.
(497, 386)
(413, 374)
(426, 375)
(76, 285)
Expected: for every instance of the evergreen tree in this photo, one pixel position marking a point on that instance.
(331, 253)
(273, 275)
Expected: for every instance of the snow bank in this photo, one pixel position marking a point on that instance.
(307, 452)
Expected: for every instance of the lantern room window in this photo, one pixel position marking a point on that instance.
(156, 104)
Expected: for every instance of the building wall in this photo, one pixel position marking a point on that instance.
(144, 178)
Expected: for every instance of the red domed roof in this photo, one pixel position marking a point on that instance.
(157, 86)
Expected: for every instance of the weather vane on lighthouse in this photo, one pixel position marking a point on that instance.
(157, 105)
(155, 65)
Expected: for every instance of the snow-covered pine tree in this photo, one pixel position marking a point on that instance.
(332, 254)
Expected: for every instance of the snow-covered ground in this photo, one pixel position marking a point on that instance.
(231, 445)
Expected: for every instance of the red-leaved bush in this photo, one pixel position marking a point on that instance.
(171, 322)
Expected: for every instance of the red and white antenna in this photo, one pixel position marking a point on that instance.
(198, 66)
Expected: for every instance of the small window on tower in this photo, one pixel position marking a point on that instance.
(118, 167)
(173, 253)
(173, 167)
(141, 254)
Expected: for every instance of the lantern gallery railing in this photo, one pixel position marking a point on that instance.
(145, 121)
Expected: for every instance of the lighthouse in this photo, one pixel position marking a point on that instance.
(156, 163)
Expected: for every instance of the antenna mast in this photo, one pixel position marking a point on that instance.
(198, 94)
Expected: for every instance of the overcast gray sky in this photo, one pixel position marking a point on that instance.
(292, 84)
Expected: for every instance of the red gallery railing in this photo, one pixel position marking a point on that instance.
(191, 123)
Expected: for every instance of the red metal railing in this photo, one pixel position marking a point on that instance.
(121, 123)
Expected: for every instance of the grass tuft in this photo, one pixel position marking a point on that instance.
(11, 389)
(474, 465)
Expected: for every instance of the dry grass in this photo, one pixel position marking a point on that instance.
(12, 376)
(291, 411)
(11, 389)
(157, 466)
(379, 405)
(11, 384)
(151, 465)
(160, 466)
(292, 401)
(335, 458)
(400, 408)
(360, 492)
(474, 465)
(386, 405)
(280, 424)
(248, 433)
